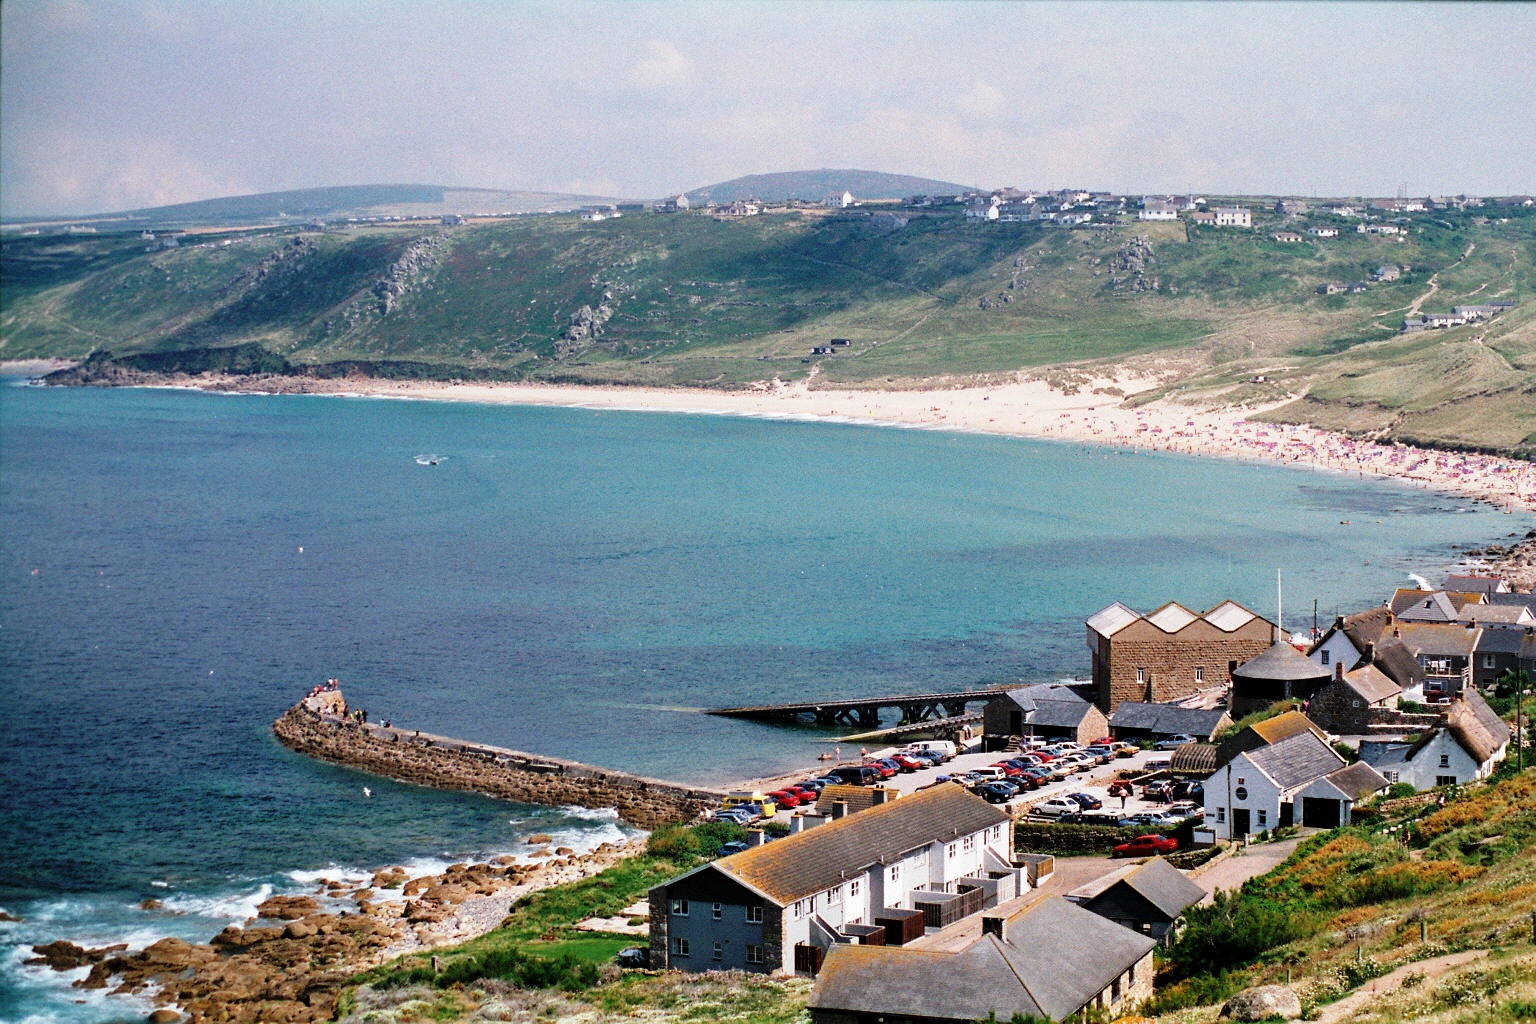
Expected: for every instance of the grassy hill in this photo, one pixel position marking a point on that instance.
(691, 300)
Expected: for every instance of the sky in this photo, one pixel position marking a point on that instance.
(108, 105)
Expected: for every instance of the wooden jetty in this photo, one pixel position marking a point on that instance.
(865, 711)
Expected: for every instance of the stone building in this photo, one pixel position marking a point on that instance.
(1278, 673)
(1352, 701)
(1052, 710)
(1170, 653)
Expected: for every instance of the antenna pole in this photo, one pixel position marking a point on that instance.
(1279, 606)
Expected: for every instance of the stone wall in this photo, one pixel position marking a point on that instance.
(445, 763)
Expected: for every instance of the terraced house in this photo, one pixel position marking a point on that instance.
(781, 906)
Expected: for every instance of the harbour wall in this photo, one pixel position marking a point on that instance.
(318, 727)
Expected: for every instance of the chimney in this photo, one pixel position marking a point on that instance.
(883, 794)
(1370, 654)
(995, 924)
(1338, 670)
(756, 837)
(839, 809)
(805, 822)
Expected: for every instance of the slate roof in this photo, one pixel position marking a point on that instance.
(1366, 627)
(819, 858)
(1281, 661)
(1358, 780)
(1371, 684)
(1160, 884)
(1500, 641)
(1395, 659)
(1054, 705)
(1528, 600)
(1167, 719)
(1488, 614)
(1438, 639)
(1057, 957)
(1296, 760)
(1475, 584)
(1423, 605)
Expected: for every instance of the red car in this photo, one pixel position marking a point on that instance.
(785, 798)
(885, 770)
(1147, 846)
(908, 764)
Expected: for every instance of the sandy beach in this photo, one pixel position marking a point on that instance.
(1093, 413)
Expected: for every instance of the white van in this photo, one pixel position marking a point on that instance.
(944, 748)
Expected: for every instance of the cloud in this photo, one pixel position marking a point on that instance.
(664, 67)
(984, 102)
(67, 172)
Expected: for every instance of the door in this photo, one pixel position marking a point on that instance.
(1317, 812)
(1240, 821)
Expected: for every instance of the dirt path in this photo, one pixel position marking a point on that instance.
(1434, 282)
(1335, 1013)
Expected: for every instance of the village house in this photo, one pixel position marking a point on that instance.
(1157, 209)
(1346, 705)
(1444, 652)
(1497, 651)
(1170, 653)
(673, 204)
(597, 213)
(1050, 710)
(1378, 229)
(1329, 288)
(781, 906)
(1232, 216)
(1387, 272)
(1467, 745)
(1050, 960)
(1286, 237)
(1292, 207)
(1323, 232)
(1365, 638)
(839, 201)
(1148, 898)
(1203, 217)
(1261, 788)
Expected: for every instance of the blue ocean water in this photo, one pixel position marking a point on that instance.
(178, 567)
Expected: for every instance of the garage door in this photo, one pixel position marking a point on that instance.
(1317, 812)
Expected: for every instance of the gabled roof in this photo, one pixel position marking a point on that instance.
(1160, 884)
(1371, 684)
(1528, 600)
(1172, 617)
(1111, 620)
(1280, 661)
(1358, 780)
(1500, 614)
(1167, 719)
(1366, 627)
(819, 858)
(1296, 760)
(1229, 616)
(1424, 606)
(1282, 727)
(1500, 641)
(1395, 659)
(1477, 727)
(1053, 705)
(1057, 957)
(1438, 639)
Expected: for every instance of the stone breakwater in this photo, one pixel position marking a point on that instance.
(317, 727)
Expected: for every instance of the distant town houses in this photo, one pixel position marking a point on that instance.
(839, 200)
(1158, 209)
(1322, 231)
(673, 204)
(1457, 317)
(599, 213)
(1378, 229)
(1233, 216)
(1286, 237)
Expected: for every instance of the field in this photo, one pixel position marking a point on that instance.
(688, 300)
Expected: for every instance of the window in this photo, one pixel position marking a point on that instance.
(1327, 656)
(1487, 661)
(950, 849)
(896, 873)
(1445, 780)
(1200, 673)
(1221, 814)
(679, 947)
(754, 915)
(717, 908)
(1141, 675)
(853, 887)
(680, 908)
(1263, 817)
(798, 910)
(969, 843)
(1445, 760)
(718, 953)
(754, 954)
(834, 896)
(1241, 792)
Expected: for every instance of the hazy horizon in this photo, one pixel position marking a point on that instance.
(125, 104)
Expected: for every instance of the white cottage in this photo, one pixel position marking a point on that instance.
(1466, 746)
(1264, 787)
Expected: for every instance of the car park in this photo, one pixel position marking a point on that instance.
(1146, 846)
(1174, 742)
(1056, 806)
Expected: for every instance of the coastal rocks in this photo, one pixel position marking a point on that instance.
(585, 326)
(163, 1017)
(1263, 1003)
(66, 956)
(287, 908)
(406, 272)
(539, 839)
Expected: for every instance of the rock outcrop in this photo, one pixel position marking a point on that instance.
(1265, 1002)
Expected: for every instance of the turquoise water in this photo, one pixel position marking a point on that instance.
(179, 567)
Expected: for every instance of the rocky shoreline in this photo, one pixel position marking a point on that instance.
(291, 963)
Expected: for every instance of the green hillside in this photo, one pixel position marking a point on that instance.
(690, 300)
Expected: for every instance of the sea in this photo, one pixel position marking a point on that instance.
(179, 567)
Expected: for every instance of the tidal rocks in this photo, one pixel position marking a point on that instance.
(287, 908)
(66, 956)
(1263, 1003)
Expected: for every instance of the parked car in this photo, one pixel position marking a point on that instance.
(995, 792)
(946, 749)
(1125, 749)
(887, 768)
(1101, 754)
(734, 846)
(1174, 742)
(814, 785)
(1056, 806)
(1008, 770)
(1088, 818)
(1158, 789)
(1185, 790)
(931, 758)
(1146, 846)
(1038, 776)
(785, 798)
(1185, 809)
(1156, 819)
(633, 956)
(1087, 801)
(857, 775)
(989, 773)
(908, 763)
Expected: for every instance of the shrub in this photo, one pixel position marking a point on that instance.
(1398, 790)
(1235, 930)
(674, 842)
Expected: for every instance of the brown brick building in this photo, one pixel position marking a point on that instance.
(1171, 652)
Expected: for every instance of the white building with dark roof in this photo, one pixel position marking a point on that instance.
(1265, 787)
(781, 906)
(1468, 744)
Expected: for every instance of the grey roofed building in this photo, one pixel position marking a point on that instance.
(1357, 780)
(1136, 719)
(1296, 760)
(1052, 709)
(1279, 673)
(1425, 606)
(1148, 898)
(1050, 959)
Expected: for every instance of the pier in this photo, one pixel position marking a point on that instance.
(864, 712)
